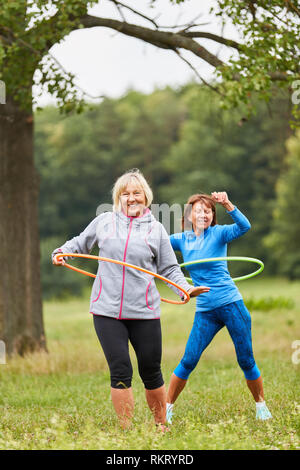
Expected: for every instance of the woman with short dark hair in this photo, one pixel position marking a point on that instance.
(223, 305)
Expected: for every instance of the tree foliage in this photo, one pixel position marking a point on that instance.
(28, 30)
(267, 51)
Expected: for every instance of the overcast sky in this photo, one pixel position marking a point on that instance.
(109, 63)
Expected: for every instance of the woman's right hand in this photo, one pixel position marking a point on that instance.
(197, 290)
(58, 261)
(194, 291)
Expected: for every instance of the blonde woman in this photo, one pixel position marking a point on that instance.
(125, 303)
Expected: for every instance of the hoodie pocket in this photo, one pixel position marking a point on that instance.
(97, 294)
(149, 297)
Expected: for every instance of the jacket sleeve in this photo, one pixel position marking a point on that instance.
(175, 240)
(236, 230)
(83, 243)
(167, 264)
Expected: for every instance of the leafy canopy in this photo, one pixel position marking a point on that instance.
(267, 49)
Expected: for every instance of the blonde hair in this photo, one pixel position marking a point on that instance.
(131, 176)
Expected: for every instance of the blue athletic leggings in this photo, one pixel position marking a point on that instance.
(237, 320)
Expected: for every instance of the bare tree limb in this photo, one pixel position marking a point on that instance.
(185, 26)
(120, 11)
(135, 12)
(213, 37)
(252, 8)
(197, 74)
(191, 24)
(162, 39)
(293, 7)
(278, 76)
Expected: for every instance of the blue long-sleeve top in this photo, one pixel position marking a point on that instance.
(212, 243)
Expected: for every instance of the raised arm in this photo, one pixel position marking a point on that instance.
(241, 225)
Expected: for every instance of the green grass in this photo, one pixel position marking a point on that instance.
(61, 399)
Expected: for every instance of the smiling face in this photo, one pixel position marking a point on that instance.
(201, 216)
(133, 200)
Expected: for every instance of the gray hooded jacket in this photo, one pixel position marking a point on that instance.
(119, 291)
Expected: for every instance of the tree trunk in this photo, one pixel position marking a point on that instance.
(21, 319)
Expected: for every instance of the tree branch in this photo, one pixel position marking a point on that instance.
(162, 39)
(278, 76)
(293, 7)
(213, 37)
(252, 8)
(120, 10)
(197, 74)
(13, 39)
(135, 12)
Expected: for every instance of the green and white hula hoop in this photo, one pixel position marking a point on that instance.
(229, 258)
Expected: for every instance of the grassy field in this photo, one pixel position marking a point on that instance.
(61, 400)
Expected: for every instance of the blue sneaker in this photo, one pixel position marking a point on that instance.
(262, 412)
(169, 413)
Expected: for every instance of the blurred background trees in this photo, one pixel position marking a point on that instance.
(183, 143)
(170, 129)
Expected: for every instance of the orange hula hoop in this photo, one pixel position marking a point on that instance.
(87, 273)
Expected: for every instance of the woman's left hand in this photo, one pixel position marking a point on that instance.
(194, 291)
(222, 198)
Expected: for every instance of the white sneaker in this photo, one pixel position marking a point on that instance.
(169, 414)
(262, 411)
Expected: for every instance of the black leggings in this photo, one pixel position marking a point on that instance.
(145, 336)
